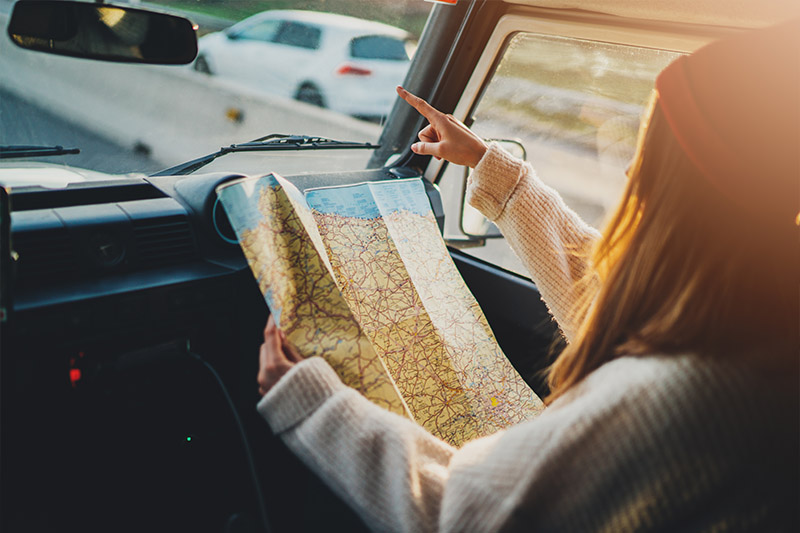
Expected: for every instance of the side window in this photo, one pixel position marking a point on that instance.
(378, 47)
(299, 35)
(261, 31)
(575, 105)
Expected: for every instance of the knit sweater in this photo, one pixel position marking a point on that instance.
(668, 443)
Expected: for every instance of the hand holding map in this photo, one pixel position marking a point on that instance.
(360, 276)
(276, 357)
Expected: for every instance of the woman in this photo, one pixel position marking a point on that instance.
(675, 404)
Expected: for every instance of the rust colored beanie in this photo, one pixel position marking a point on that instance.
(734, 107)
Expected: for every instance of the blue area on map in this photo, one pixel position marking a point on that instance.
(240, 201)
(371, 200)
(401, 195)
(273, 307)
(352, 201)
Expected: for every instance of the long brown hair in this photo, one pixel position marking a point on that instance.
(684, 270)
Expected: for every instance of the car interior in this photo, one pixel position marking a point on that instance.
(131, 322)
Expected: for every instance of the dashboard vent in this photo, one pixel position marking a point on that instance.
(44, 256)
(164, 241)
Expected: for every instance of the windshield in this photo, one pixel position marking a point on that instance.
(323, 68)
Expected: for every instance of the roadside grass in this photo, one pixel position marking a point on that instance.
(407, 14)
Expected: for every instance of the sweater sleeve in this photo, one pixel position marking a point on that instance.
(393, 473)
(552, 241)
(612, 454)
(389, 469)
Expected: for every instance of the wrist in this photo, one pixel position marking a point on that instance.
(477, 154)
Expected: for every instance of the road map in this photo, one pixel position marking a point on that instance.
(360, 275)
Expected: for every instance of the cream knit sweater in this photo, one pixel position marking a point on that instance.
(647, 443)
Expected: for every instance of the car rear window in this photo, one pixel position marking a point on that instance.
(378, 47)
(301, 35)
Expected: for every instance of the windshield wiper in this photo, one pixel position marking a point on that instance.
(276, 142)
(9, 152)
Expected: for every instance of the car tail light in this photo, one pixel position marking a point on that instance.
(347, 69)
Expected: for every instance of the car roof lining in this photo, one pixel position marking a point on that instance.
(732, 13)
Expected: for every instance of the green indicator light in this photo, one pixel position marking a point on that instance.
(189, 439)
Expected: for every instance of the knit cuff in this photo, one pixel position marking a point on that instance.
(493, 181)
(299, 393)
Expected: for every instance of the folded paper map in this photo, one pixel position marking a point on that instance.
(360, 276)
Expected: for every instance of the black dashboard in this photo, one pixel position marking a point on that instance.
(128, 362)
(115, 285)
(106, 255)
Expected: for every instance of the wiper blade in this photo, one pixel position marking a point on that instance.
(274, 142)
(10, 152)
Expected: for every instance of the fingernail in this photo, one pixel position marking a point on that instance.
(415, 147)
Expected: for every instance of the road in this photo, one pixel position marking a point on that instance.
(25, 123)
(22, 122)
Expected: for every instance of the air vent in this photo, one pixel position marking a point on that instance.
(164, 241)
(44, 257)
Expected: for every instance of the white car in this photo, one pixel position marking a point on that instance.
(343, 63)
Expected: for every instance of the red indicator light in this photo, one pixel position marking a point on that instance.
(351, 70)
(74, 375)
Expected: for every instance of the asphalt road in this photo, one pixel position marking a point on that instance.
(23, 122)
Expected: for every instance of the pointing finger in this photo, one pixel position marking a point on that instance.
(424, 108)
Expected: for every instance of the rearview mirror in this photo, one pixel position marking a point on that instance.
(103, 31)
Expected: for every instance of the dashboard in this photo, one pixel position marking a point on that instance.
(128, 362)
(102, 257)
(100, 239)
(116, 284)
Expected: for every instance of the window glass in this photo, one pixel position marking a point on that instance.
(130, 119)
(576, 106)
(300, 35)
(262, 31)
(378, 47)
